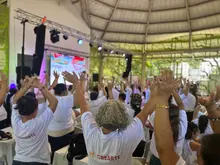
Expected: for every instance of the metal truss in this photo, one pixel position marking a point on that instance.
(51, 25)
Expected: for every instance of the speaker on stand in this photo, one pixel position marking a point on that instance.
(40, 32)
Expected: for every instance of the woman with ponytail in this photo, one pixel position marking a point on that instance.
(178, 123)
(204, 126)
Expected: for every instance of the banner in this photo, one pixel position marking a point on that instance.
(4, 39)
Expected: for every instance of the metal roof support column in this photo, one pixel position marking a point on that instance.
(109, 20)
(143, 68)
(87, 13)
(101, 64)
(189, 22)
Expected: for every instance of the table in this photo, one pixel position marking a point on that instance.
(60, 158)
(7, 147)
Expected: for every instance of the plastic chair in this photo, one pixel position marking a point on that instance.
(3, 160)
(143, 159)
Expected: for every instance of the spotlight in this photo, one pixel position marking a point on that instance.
(54, 36)
(105, 50)
(123, 54)
(99, 47)
(80, 42)
(111, 51)
(65, 37)
(116, 53)
(91, 45)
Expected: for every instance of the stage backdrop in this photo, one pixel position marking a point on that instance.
(4, 38)
(60, 63)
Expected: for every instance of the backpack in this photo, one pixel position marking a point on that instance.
(77, 148)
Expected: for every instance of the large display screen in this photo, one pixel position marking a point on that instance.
(61, 63)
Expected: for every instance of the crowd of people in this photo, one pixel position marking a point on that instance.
(184, 128)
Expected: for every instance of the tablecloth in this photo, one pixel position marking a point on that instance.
(7, 147)
(60, 158)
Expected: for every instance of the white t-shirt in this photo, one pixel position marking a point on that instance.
(208, 130)
(94, 105)
(63, 115)
(129, 111)
(182, 132)
(181, 162)
(41, 108)
(189, 102)
(31, 137)
(115, 93)
(189, 156)
(3, 113)
(115, 148)
(147, 95)
(128, 95)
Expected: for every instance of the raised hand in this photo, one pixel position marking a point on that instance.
(110, 85)
(27, 82)
(165, 84)
(82, 77)
(4, 79)
(56, 75)
(211, 103)
(36, 82)
(72, 78)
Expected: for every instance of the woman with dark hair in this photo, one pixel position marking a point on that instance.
(178, 122)
(209, 152)
(30, 130)
(204, 126)
(191, 146)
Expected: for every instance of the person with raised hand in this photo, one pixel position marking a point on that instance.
(30, 130)
(208, 153)
(3, 92)
(62, 126)
(212, 104)
(110, 137)
(55, 82)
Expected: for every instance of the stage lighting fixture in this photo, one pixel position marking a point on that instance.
(54, 36)
(91, 45)
(99, 47)
(116, 53)
(124, 54)
(80, 41)
(111, 51)
(105, 50)
(65, 37)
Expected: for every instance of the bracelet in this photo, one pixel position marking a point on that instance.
(162, 106)
(214, 119)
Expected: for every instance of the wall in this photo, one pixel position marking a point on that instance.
(4, 38)
(65, 14)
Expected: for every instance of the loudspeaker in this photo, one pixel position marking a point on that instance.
(128, 58)
(95, 77)
(40, 32)
(26, 72)
(125, 75)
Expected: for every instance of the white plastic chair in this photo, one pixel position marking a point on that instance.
(143, 159)
(3, 160)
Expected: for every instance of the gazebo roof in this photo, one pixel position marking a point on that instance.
(149, 21)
